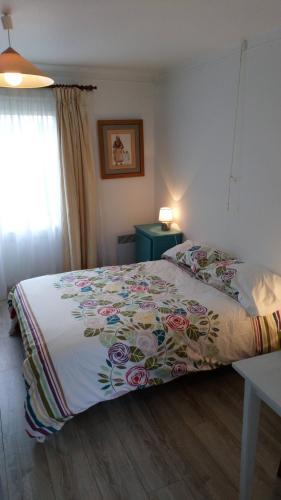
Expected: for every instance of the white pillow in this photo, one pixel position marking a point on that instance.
(257, 289)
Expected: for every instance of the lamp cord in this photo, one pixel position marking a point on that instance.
(9, 38)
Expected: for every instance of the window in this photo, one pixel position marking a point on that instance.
(30, 199)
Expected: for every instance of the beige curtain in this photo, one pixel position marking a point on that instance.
(78, 180)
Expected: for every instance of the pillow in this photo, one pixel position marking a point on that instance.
(194, 255)
(254, 287)
(172, 253)
(221, 275)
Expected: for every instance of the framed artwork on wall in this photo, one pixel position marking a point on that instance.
(121, 148)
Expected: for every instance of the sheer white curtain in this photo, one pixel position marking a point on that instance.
(30, 194)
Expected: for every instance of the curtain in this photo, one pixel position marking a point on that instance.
(78, 180)
(30, 193)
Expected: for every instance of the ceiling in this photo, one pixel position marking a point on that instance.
(150, 34)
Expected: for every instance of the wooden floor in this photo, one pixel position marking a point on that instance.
(178, 441)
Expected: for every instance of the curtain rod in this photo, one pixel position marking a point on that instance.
(88, 88)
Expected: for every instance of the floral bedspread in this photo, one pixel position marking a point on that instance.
(148, 329)
(96, 334)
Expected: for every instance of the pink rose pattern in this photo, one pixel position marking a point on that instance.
(108, 311)
(179, 368)
(176, 322)
(82, 283)
(137, 376)
(137, 355)
(138, 288)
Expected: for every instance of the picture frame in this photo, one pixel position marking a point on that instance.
(121, 148)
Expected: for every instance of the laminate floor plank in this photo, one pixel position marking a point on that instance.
(174, 491)
(199, 467)
(113, 471)
(71, 474)
(148, 447)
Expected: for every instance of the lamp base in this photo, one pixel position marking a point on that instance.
(165, 226)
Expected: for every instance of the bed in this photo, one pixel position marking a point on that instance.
(93, 335)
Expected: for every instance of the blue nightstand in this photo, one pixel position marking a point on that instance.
(151, 241)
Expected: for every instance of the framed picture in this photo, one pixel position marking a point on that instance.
(121, 148)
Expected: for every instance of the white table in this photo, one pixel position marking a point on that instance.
(262, 376)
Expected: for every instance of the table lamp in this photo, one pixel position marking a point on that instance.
(165, 217)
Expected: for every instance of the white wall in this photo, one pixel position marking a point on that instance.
(195, 121)
(127, 201)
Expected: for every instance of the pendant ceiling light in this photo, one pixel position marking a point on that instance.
(17, 72)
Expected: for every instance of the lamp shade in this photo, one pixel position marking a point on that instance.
(165, 214)
(17, 72)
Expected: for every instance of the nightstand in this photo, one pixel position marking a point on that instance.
(151, 241)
